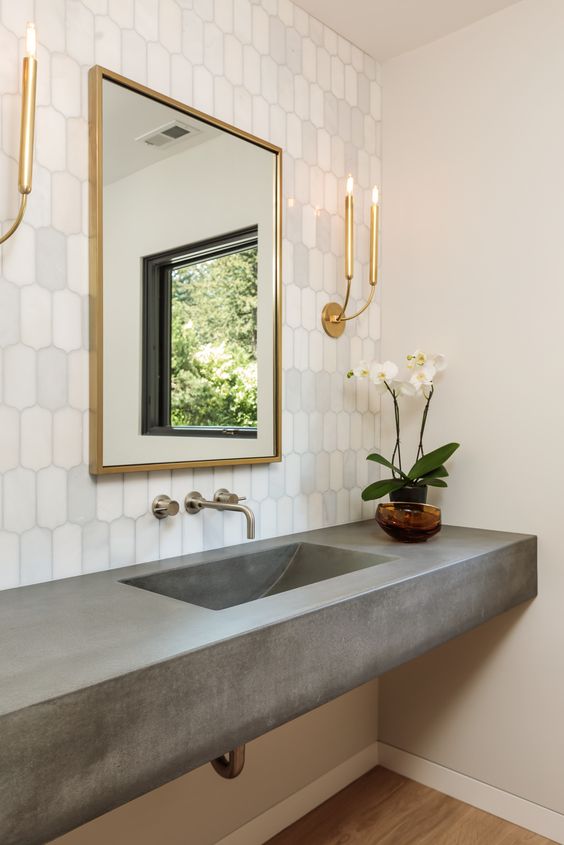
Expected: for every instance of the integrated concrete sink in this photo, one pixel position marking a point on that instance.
(107, 692)
(243, 578)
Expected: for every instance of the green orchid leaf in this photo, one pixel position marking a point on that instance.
(436, 482)
(440, 472)
(432, 461)
(379, 459)
(381, 488)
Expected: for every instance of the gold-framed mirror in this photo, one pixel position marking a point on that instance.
(185, 266)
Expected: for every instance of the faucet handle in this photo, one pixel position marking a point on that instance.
(193, 502)
(224, 497)
(164, 506)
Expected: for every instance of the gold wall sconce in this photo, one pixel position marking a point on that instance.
(27, 128)
(334, 316)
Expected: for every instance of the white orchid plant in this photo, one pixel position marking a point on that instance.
(429, 469)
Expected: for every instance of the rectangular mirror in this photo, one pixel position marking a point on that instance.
(185, 285)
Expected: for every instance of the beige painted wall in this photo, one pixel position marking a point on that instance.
(473, 265)
(201, 808)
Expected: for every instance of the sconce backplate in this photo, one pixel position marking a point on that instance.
(332, 327)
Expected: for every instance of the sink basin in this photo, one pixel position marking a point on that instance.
(245, 577)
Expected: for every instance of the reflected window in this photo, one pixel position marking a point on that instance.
(200, 338)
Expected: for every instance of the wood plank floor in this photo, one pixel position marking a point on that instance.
(383, 808)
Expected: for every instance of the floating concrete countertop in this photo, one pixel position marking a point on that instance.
(108, 691)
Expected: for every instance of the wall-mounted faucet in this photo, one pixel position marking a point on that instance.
(223, 500)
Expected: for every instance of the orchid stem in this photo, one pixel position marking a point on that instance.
(397, 447)
(420, 450)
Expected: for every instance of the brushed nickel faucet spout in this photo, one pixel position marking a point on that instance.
(222, 500)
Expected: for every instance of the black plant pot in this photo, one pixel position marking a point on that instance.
(410, 494)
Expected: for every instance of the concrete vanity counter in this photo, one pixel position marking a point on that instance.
(108, 691)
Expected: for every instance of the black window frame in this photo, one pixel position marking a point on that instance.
(156, 332)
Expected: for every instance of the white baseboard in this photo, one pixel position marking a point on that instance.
(276, 818)
(510, 807)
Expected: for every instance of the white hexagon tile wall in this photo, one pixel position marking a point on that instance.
(273, 70)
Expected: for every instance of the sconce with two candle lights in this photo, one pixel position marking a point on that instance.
(334, 316)
(27, 128)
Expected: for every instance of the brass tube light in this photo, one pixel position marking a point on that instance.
(349, 230)
(374, 224)
(27, 128)
(334, 316)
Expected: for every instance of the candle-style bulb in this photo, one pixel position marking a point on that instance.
(29, 84)
(374, 214)
(31, 40)
(349, 230)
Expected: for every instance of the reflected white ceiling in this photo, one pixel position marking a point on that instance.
(128, 116)
(386, 28)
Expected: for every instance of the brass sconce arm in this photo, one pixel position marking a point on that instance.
(27, 130)
(334, 317)
(17, 221)
(342, 318)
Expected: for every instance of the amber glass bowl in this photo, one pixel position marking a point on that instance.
(409, 522)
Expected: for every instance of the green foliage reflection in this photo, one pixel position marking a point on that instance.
(214, 337)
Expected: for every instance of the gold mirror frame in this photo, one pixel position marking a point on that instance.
(96, 77)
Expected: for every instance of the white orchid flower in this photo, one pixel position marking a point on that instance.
(407, 389)
(361, 371)
(423, 377)
(439, 361)
(416, 359)
(383, 374)
(420, 359)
